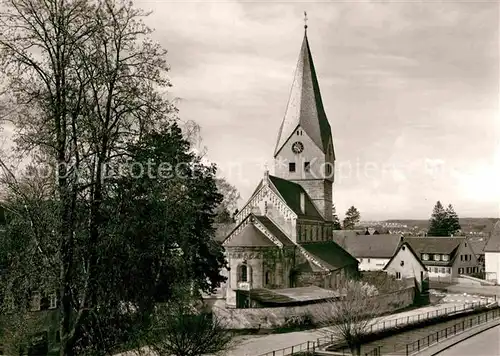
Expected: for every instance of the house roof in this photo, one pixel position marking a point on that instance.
(330, 254)
(436, 245)
(407, 245)
(290, 295)
(493, 244)
(478, 245)
(291, 192)
(305, 106)
(369, 246)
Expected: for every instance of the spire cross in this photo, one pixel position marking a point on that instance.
(305, 20)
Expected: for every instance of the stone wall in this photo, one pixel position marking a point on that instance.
(269, 318)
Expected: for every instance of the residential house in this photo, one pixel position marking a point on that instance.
(405, 263)
(492, 255)
(445, 257)
(372, 251)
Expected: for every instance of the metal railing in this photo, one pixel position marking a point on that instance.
(435, 337)
(374, 352)
(313, 345)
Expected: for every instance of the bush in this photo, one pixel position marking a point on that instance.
(298, 321)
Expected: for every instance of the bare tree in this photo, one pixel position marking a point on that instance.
(350, 316)
(181, 330)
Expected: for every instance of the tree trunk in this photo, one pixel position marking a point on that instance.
(355, 349)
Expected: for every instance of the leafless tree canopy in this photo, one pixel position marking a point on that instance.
(349, 317)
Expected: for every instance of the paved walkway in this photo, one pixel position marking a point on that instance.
(462, 297)
(485, 344)
(258, 345)
(254, 345)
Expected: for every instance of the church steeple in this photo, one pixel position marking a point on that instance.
(304, 150)
(305, 107)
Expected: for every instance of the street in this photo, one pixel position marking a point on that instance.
(486, 343)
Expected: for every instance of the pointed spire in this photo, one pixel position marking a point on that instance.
(305, 106)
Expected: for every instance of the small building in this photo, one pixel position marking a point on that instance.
(492, 256)
(405, 263)
(372, 251)
(446, 258)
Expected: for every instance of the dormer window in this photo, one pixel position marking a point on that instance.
(437, 257)
(425, 257)
(445, 257)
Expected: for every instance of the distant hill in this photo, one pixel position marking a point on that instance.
(467, 224)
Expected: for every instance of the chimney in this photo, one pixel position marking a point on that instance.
(302, 203)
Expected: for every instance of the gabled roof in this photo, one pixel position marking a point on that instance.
(250, 236)
(407, 245)
(478, 245)
(291, 192)
(329, 254)
(305, 106)
(436, 245)
(493, 244)
(369, 246)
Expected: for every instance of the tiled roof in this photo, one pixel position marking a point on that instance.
(478, 245)
(493, 244)
(330, 254)
(435, 245)
(305, 106)
(273, 229)
(290, 295)
(291, 191)
(369, 246)
(267, 296)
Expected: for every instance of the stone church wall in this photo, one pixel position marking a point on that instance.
(269, 318)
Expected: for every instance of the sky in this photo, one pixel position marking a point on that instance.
(411, 90)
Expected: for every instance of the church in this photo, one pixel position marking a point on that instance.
(283, 237)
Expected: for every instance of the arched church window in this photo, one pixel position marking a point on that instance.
(243, 273)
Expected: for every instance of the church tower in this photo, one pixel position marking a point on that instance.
(304, 150)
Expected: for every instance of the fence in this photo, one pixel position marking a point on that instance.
(434, 338)
(311, 346)
(374, 352)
